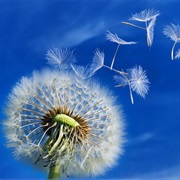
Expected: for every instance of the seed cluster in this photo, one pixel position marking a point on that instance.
(35, 133)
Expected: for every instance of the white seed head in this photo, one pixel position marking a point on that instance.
(37, 131)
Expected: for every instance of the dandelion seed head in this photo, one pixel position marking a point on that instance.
(89, 148)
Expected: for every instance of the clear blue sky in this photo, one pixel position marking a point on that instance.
(28, 28)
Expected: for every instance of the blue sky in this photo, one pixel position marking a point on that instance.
(29, 28)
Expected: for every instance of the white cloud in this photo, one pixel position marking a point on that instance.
(140, 139)
(171, 173)
(74, 29)
(68, 38)
(82, 33)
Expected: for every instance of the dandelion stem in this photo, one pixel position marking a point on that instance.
(148, 40)
(172, 51)
(54, 172)
(127, 23)
(147, 35)
(131, 96)
(114, 57)
(120, 72)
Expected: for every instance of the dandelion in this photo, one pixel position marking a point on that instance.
(64, 124)
(137, 81)
(90, 70)
(114, 38)
(148, 16)
(60, 57)
(173, 32)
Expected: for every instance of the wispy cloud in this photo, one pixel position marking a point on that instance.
(171, 173)
(83, 32)
(141, 138)
(72, 37)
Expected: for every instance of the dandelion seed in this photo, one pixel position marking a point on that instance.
(148, 16)
(114, 38)
(98, 61)
(124, 80)
(177, 54)
(60, 58)
(150, 31)
(90, 70)
(62, 123)
(145, 15)
(81, 71)
(121, 80)
(173, 32)
(137, 81)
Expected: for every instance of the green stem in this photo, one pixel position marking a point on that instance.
(54, 172)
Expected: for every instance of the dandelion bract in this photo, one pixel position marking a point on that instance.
(58, 121)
